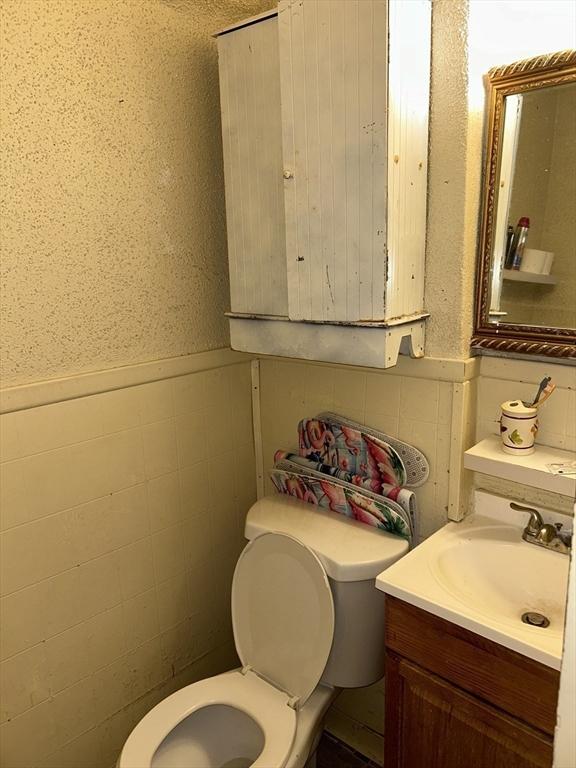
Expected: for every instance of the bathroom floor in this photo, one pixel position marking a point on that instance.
(332, 753)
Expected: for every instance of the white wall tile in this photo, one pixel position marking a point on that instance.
(34, 551)
(23, 615)
(85, 751)
(160, 452)
(74, 710)
(241, 421)
(118, 410)
(164, 507)
(50, 482)
(135, 567)
(196, 539)
(10, 436)
(191, 437)
(219, 434)
(140, 616)
(79, 651)
(52, 426)
(25, 682)
(174, 604)
(350, 389)
(381, 421)
(111, 686)
(124, 461)
(239, 383)
(106, 524)
(245, 479)
(189, 392)
(419, 399)
(180, 644)
(168, 552)
(195, 494)
(155, 401)
(98, 582)
(444, 402)
(217, 387)
(34, 614)
(17, 747)
(383, 394)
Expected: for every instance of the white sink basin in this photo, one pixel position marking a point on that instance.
(481, 575)
(503, 577)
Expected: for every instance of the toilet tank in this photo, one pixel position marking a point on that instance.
(352, 554)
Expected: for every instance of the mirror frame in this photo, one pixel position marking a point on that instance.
(530, 74)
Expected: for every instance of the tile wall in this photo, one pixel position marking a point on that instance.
(414, 409)
(121, 522)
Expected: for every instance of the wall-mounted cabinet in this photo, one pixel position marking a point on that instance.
(325, 139)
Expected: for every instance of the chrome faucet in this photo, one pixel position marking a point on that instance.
(544, 534)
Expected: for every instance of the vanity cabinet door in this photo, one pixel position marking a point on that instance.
(431, 723)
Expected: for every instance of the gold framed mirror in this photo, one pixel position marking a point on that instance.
(526, 268)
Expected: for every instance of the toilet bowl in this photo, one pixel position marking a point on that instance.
(270, 712)
(231, 720)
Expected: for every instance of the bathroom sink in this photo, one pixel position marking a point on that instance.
(481, 575)
(504, 577)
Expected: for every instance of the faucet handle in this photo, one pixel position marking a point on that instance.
(547, 533)
(535, 522)
(564, 536)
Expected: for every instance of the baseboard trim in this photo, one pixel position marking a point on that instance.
(57, 390)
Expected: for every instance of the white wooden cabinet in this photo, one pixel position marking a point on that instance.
(325, 139)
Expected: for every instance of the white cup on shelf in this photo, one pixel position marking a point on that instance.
(518, 427)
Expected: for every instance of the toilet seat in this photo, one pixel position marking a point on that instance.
(244, 691)
(283, 613)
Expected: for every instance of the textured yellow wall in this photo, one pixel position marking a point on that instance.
(453, 187)
(113, 230)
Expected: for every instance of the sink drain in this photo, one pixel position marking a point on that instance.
(535, 619)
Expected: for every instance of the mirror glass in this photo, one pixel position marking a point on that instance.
(533, 259)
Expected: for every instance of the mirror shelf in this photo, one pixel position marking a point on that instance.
(528, 277)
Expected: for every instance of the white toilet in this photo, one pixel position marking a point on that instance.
(307, 621)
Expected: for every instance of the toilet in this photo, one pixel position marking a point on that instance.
(307, 622)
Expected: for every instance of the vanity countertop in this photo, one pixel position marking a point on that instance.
(481, 575)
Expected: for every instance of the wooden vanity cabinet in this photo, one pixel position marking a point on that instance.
(457, 700)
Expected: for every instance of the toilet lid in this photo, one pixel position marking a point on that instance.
(283, 613)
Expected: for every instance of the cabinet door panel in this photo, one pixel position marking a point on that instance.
(252, 147)
(504, 679)
(432, 723)
(333, 71)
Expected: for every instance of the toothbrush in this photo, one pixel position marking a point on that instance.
(546, 392)
(543, 384)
